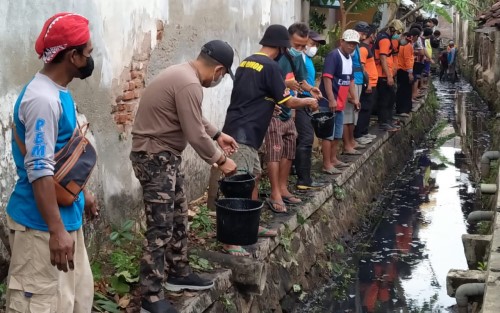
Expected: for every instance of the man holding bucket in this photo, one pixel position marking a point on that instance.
(258, 88)
(170, 116)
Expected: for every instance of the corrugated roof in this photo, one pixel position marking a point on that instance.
(490, 18)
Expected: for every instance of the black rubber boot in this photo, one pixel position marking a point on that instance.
(303, 164)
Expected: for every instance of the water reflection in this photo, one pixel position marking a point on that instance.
(418, 240)
(418, 243)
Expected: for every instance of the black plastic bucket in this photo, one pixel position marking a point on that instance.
(238, 220)
(323, 124)
(238, 186)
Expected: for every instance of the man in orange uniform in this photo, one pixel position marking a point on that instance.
(405, 72)
(385, 86)
(369, 91)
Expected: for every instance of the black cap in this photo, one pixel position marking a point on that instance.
(362, 27)
(276, 36)
(317, 37)
(221, 52)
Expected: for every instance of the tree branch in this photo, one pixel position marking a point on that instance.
(350, 7)
(404, 17)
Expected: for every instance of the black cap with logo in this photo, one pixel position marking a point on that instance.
(221, 52)
(276, 36)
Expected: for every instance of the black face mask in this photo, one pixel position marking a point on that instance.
(87, 70)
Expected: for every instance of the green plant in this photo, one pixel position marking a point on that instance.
(228, 304)
(482, 266)
(286, 239)
(3, 289)
(301, 219)
(127, 271)
(103, 304)
(339, 193)
(202, 221)
(96, 268)
(118, 235)
(296, 288)
(483, 228)
(317, 21)
(199, 264)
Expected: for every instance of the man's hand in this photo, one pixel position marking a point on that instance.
(357, 105)
(390, 81)
(277, 110)
(62, 249)
(312, 104)
(316, 93)
(292, 85)
(369, 89)
(332, 104)
(229, 167)
(227, 143)
(91, 208)
(410, 76)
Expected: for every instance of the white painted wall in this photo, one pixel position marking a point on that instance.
(119, 28)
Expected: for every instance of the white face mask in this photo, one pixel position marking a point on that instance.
(311, 51)
(216, 82)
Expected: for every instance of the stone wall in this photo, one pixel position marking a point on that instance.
(479, 58)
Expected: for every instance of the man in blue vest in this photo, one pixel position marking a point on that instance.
(49, 267)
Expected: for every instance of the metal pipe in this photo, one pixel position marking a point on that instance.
(486, 158)
(489, 189)
(465, 291)
(479, 216)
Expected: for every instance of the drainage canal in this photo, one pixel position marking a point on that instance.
(399, 262)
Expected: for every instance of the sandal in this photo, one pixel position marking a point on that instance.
(236, 251)
(353, 152)
(341, 165)
(272, 203)
(332, 171)
(266, 232)
(291, 199)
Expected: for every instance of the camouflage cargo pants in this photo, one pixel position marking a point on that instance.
(165, 248)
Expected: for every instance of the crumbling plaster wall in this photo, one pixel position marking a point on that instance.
(121, 31)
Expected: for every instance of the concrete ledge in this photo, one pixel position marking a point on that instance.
(456, 278)
(475, 248)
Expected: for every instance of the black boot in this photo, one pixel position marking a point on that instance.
(162, 306)
(303, 164)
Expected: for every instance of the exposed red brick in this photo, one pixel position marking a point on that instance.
(139, 83)
(130, 106)
(131, 85)
(137, 93)
(135, 74)
(119, 99)
(122, 118)
(129, 95)
(159, 35)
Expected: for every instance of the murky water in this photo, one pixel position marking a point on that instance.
(402, 265)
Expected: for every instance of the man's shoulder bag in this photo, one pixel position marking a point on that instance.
(74, 164)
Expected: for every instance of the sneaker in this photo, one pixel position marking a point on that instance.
(404, 114)
(370, 136)
(162, 306)
(363, 141)
(388, 127)
(311, 186)
(190, 282)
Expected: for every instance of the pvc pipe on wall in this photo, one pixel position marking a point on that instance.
(479, 216)
(465, 291)
(489, 189)
(486, 158)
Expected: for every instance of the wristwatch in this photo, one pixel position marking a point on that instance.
(217, 135)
